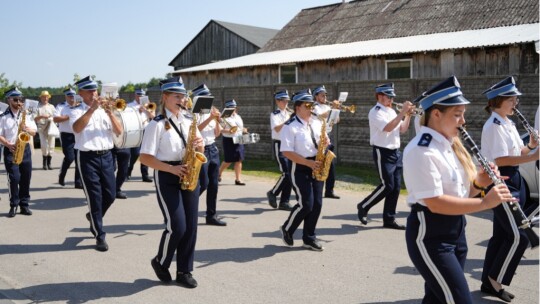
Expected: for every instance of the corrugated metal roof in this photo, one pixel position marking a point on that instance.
(259, 36)
(365, 20)
(413, 44)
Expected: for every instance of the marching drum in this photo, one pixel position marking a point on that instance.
(250, 138)
(133, 129)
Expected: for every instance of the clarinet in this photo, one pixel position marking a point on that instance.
(526, 125)
(520, 218)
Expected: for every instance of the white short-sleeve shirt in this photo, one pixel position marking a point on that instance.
(161, 139)
(9, 125)
(235, 120)
(277, 118)
(296, 136)
(431, 168)
(208, 135)
(379, 116)
(500, 138)
(136, 106)
(62, 109)
(97, 135)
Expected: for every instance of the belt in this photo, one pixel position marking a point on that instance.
(417, 207)
(99, 152)
(174, 163)
(210, 145)
(312, 158)
(383, 148)
(276, 140)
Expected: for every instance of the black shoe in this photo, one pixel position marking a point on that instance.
(12, 212)
(128, 177)
(313, 245)
(285, 206)
(239, 183)
(147, 179)
(121, 195)
(286, 237)
(394, 225)
(331, 195)
(272, 199)
(88, 216)
(186, 279)
(219, 179)
(61, 181)
(78, 186)
(362, 215)
(25, 210)
(215, 222)
(161, 272)
(501, 294)
(101, 245)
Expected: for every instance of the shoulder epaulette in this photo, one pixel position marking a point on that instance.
(290, 120)
(377, 108)
(425, 140)
(496, 121)
(276, 112)
(159, 117)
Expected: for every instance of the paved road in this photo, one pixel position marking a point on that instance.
(50, 256)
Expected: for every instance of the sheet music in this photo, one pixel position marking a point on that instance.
(343, 96)
(144, 100)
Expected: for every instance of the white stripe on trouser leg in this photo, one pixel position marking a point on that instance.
(293, 180)
(282, 176)
(167, 215)
(429, 263)
(86, 193)
(515, 244)
(379, 165)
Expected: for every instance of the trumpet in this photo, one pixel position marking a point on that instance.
(150, 106)
(351, 109)
(224, 123)
(417, 111)
(110, 104)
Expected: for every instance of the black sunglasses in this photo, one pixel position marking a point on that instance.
(15, 99)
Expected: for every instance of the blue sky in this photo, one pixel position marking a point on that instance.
(46, 42)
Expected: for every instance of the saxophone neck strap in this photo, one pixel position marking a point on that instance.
(313, 137)
(178, 131)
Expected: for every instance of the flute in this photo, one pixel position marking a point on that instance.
(519, 217)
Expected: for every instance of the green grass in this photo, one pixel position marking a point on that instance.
(355, 178)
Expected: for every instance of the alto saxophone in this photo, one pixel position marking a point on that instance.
(324, 156)
(192, 159)
(22, 139)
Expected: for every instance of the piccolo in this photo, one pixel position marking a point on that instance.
(519, 217)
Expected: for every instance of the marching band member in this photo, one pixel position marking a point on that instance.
(163, 149)
(43, 119)
(502, 145)
(322, 108)
(18, 175)
(93, 127)
(442, 182)
(385, 126)
(208, 176)
(121, 158)
(67, 139)
(146, 116)
(233, 153)
(283, 186)
(300, 138)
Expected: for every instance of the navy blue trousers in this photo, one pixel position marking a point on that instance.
(19, 177)
(331, 179)
(208, 178)
(508, 243)
(283, 185)
(437, 247)
(389, 165)
(99, 186)
(309, 203)
(68, 148)
(179, 209)
(121, 164)
(135, 152)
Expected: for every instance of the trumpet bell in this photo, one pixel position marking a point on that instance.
(151, 106)
(120, 104)
(351, 109)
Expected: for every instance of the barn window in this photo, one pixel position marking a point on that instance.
(401, 68)
(288, 73)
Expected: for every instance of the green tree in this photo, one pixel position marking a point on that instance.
(4, 84)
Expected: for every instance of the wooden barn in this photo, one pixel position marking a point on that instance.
(219, 41)
(384, 39)
(353, 46)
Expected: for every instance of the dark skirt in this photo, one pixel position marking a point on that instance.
(232, 152)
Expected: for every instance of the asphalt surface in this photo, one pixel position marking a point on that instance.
(50, 257)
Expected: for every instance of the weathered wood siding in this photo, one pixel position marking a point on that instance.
(214, 43)
(495, 61)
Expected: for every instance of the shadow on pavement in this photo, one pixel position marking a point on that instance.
(80, 292)
(71, 243)
(211, 257)
(57, 203)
